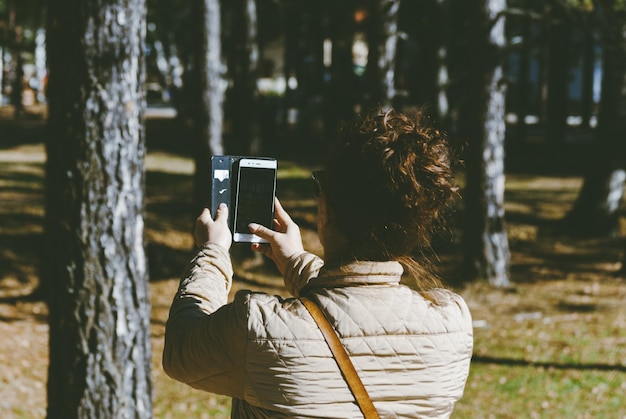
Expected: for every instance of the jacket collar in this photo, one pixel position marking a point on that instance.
(357, 273)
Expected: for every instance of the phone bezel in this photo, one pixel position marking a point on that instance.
(254, 163)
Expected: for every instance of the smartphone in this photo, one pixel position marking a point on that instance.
(221, 175)
(254, 199)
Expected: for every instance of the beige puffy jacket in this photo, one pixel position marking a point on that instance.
(266, 351)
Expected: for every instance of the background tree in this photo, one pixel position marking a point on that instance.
(20, 21)
(525, 24)
(420, 51)
(170, 22)
(163, 40)
(206, 93)
(291, 23)
(95, 265)
(15, 35)
(477, 60)
(310, 76)
(343, 89)
(588, 31)
(559, 48)
(243, 56)
(596, 209)
(382, 37)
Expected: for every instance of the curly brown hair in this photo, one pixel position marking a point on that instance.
(389, 182)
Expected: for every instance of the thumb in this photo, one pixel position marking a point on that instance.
(222, 213)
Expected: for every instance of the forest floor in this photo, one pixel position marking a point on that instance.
(553, 345)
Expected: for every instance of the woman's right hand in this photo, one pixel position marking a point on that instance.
(285, 242)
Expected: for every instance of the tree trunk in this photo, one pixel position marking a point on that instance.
(342, 93)
(595, 211)
(481, 123)
(243, 64)
(558, 78)
(1, 70)
(381, 60)
(17, 43)
(94, 265)
(293, 21)
(40, 64)
(421, 21)
(523, 85)
(207, 92)
(310, 71)
(588, 67)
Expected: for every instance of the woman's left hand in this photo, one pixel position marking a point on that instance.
(216, 232)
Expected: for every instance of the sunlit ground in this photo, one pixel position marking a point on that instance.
(552, 346)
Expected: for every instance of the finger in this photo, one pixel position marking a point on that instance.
(281, 215)
(222, 213)
(262, 232)
(260, 247)
(205, 216)
(278, 226)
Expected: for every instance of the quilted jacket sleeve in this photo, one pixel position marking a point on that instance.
(300, 270)
(204, 336)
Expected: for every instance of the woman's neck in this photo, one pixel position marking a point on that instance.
(339, 252)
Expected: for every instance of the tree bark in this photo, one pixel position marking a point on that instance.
(94, 264)
(481, 124)
(207, 93)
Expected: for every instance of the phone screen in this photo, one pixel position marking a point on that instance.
(255, 198)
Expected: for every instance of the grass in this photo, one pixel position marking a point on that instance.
(505, 391)
(551, 346)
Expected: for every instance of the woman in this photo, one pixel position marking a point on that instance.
(381, 198)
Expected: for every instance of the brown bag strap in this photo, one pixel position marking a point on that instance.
(343, 360)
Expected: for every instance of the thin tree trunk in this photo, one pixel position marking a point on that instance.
(311, 52)
(293, 21)
(544, 58)
(94, 265)
(558, 78)
(425, 66)
(207, 92)
(243, 67)
(310, 75)
(481, 122)
(341, 96)
(17, 41)
(40, 64)
(523, 84)
(382, 40)
(2, 47)
(589, 63)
